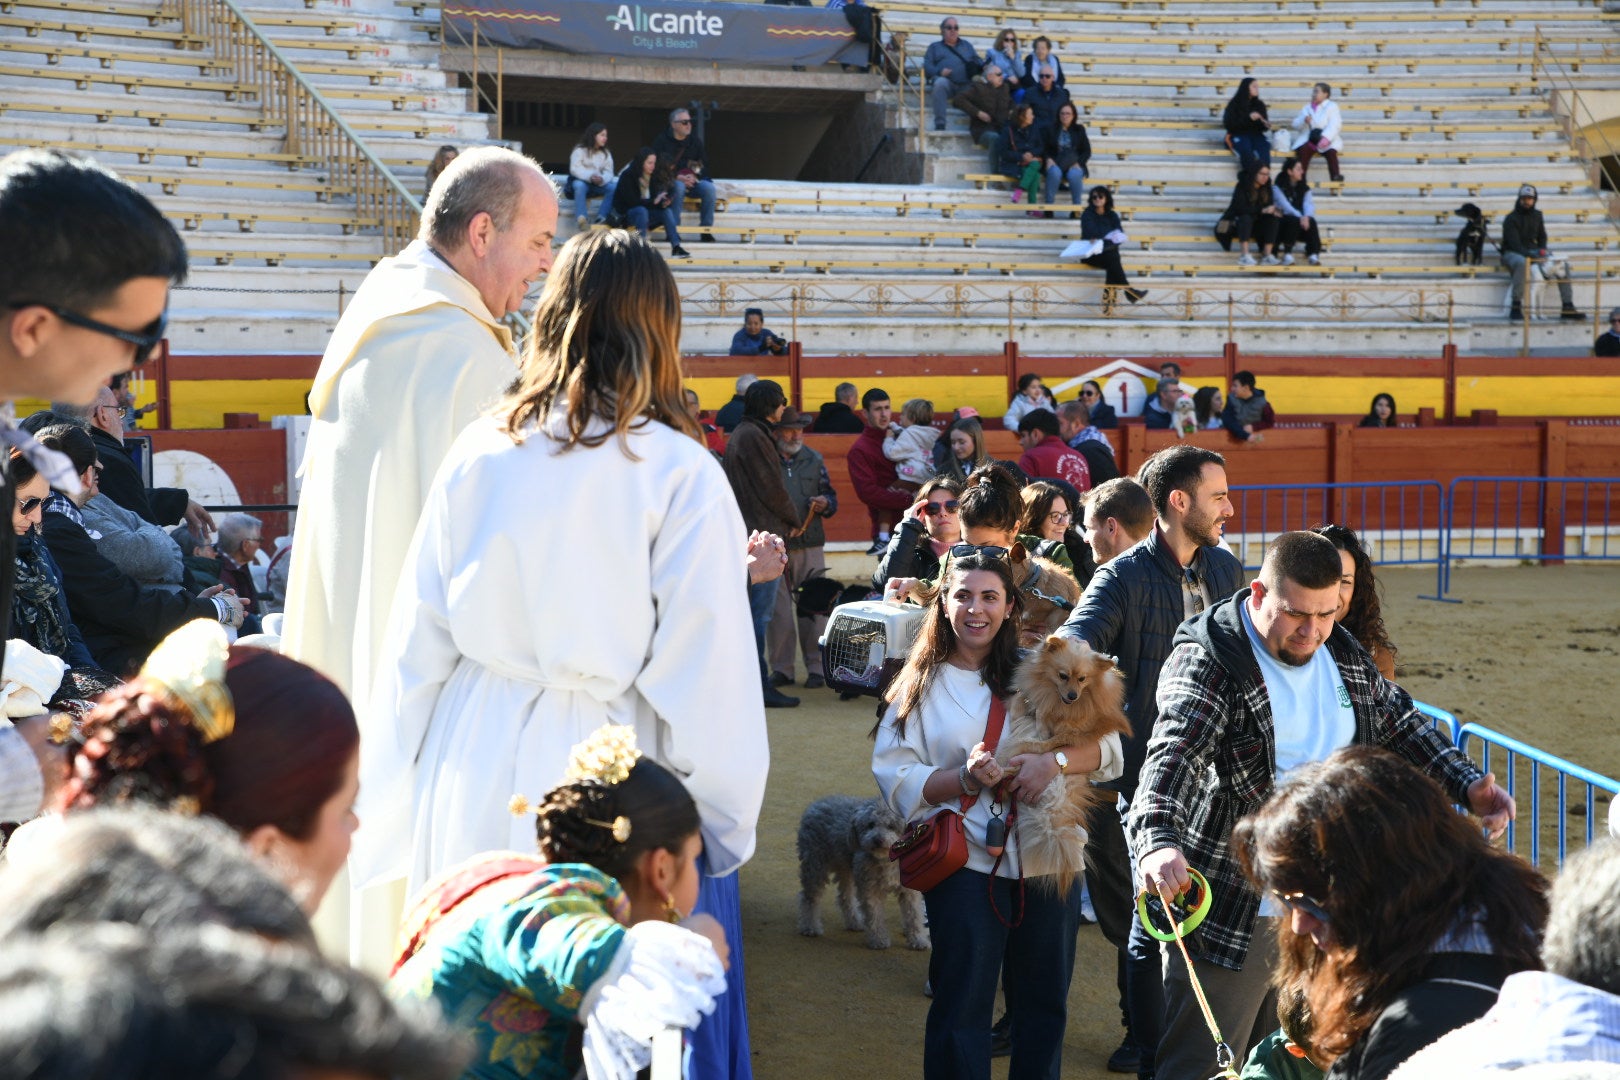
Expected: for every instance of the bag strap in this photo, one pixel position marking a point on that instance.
(992, 736)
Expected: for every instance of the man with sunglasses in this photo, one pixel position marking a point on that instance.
(950, 65)
(122, 481)
(1262, 682)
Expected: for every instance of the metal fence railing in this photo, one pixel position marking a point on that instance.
(1540, 518)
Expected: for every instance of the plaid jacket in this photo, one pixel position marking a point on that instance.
(1212, 758)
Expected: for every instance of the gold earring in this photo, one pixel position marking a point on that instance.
(671, 912)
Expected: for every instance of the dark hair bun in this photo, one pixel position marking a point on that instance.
(135, 750)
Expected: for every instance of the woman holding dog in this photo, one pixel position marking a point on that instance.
(992, 914)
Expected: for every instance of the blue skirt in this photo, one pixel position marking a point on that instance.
(718, 1047)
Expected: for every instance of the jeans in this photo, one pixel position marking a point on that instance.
(991, 141)
(1076, 176)
(584, 192)
(1252, 151)
(643, 220)
(705, 191)
(943, 90)
(761, 603)
(973, 951)
(1520, 266)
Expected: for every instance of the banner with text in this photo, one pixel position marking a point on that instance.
(750, 34)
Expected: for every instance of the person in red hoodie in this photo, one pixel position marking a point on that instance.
(1047, 456)
(873, 475)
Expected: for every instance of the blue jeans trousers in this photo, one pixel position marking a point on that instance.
(1076, 177)
(584, 192)
(705, 192)
(642, 220)
(973, 950)
(761, 603)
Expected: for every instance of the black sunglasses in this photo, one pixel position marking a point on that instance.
(962, 551)
(1303, 904)
(145, 341)
(29, 505)
(1088, 393)
(949, 506)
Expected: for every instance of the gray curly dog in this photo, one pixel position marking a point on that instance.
(848, 838)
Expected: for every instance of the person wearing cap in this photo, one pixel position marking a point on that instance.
(753, 339)
(1524, 240)
(811, 490)
(1608, 342)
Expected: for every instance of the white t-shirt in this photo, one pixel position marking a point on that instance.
(1310, 712)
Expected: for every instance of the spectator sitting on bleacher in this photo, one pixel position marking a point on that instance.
(731, 413)
(1021, 149)
(1207, 406)
(1032, 395)
(1316, 130)
(1248, 127)
(1102, 414)
(1004, 57)
(1068, 152)
(1524, 241)
(441, 161)
(1046, 98)
(590, 173)
(1100, 222)
(39, 612)
(1041, 60)
(642, 200)
(682, 157)
(1292, 197)
(753, 339)
(1254, 216)
(240, 538)
(1608, 342)
(1381, 413)
(1159, 411)
(950, 63)
(1084, 439)
(199, 556)
(1046, 456)
(120, 619)
(987, 101)
(1247, 412)
(837, 417)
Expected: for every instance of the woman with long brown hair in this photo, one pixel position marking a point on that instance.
(1360, 611)
(1396, 915)
(580, 561)
(930, 753)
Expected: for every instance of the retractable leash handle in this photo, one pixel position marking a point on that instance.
(1225, 1059)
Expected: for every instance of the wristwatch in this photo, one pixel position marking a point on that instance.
(1062, 760)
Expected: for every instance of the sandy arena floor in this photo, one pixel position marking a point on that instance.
(1531, 652)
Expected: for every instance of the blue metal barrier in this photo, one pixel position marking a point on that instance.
(1400, 522)
(1531, 517)
(1440, 719)
(1516, 756)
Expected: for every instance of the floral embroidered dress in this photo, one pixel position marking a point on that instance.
(518, 953)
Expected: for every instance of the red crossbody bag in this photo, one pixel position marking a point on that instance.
(936, 847)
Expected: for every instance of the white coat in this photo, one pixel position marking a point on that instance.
(415, 359)
(1324, 116)
(546, 594)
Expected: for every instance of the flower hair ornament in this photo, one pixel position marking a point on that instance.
(606, 758)
(188, 669)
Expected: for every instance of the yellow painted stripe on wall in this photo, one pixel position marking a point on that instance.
(712, 393)
(203, 403)
(987, 393)
(1528, 395)
(1351, 395)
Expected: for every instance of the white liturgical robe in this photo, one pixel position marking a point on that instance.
(547, 593)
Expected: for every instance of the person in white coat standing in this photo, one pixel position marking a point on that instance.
(580, 561)
(1316, 131)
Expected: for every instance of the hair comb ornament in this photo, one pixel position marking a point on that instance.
(188, 667)
(607, 756)
(619, 826)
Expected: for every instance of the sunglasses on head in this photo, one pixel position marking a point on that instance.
(1305, 905)
(949, 506)
(989, 551)
(145, 341)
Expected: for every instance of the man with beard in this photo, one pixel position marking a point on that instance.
(1131, 610)
(1247, 695)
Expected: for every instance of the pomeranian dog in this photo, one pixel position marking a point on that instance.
(1049, 592)
(1063, 694)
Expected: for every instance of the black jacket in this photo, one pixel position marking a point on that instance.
(627, 195)
(120, 619)
(1607, 344)
(121, 482)
(1095, 225)
(1248, 200)
(730, 414)
(1046, 105)
(836, 418)
(1103, 415)
(909, 555)
(1524, 232)
(1454, 989)
(1236, 118)
(674, 155)
(1081, 151)
(1131, 611)
(1016, 142)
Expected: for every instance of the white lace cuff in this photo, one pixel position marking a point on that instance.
(662, 976)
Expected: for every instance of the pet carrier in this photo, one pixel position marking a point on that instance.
(866, 643)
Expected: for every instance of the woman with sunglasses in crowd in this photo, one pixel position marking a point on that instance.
(1005, 56)
(1389, 961)
(39, 611)
(1101, 413)
(924, 534)
(993, 923)
(1101, 222)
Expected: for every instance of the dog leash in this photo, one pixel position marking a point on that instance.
(1224, 1058)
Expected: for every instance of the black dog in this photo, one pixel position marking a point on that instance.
(1471, 241)
(820, 594)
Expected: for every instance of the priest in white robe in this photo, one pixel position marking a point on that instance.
(420, 352)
